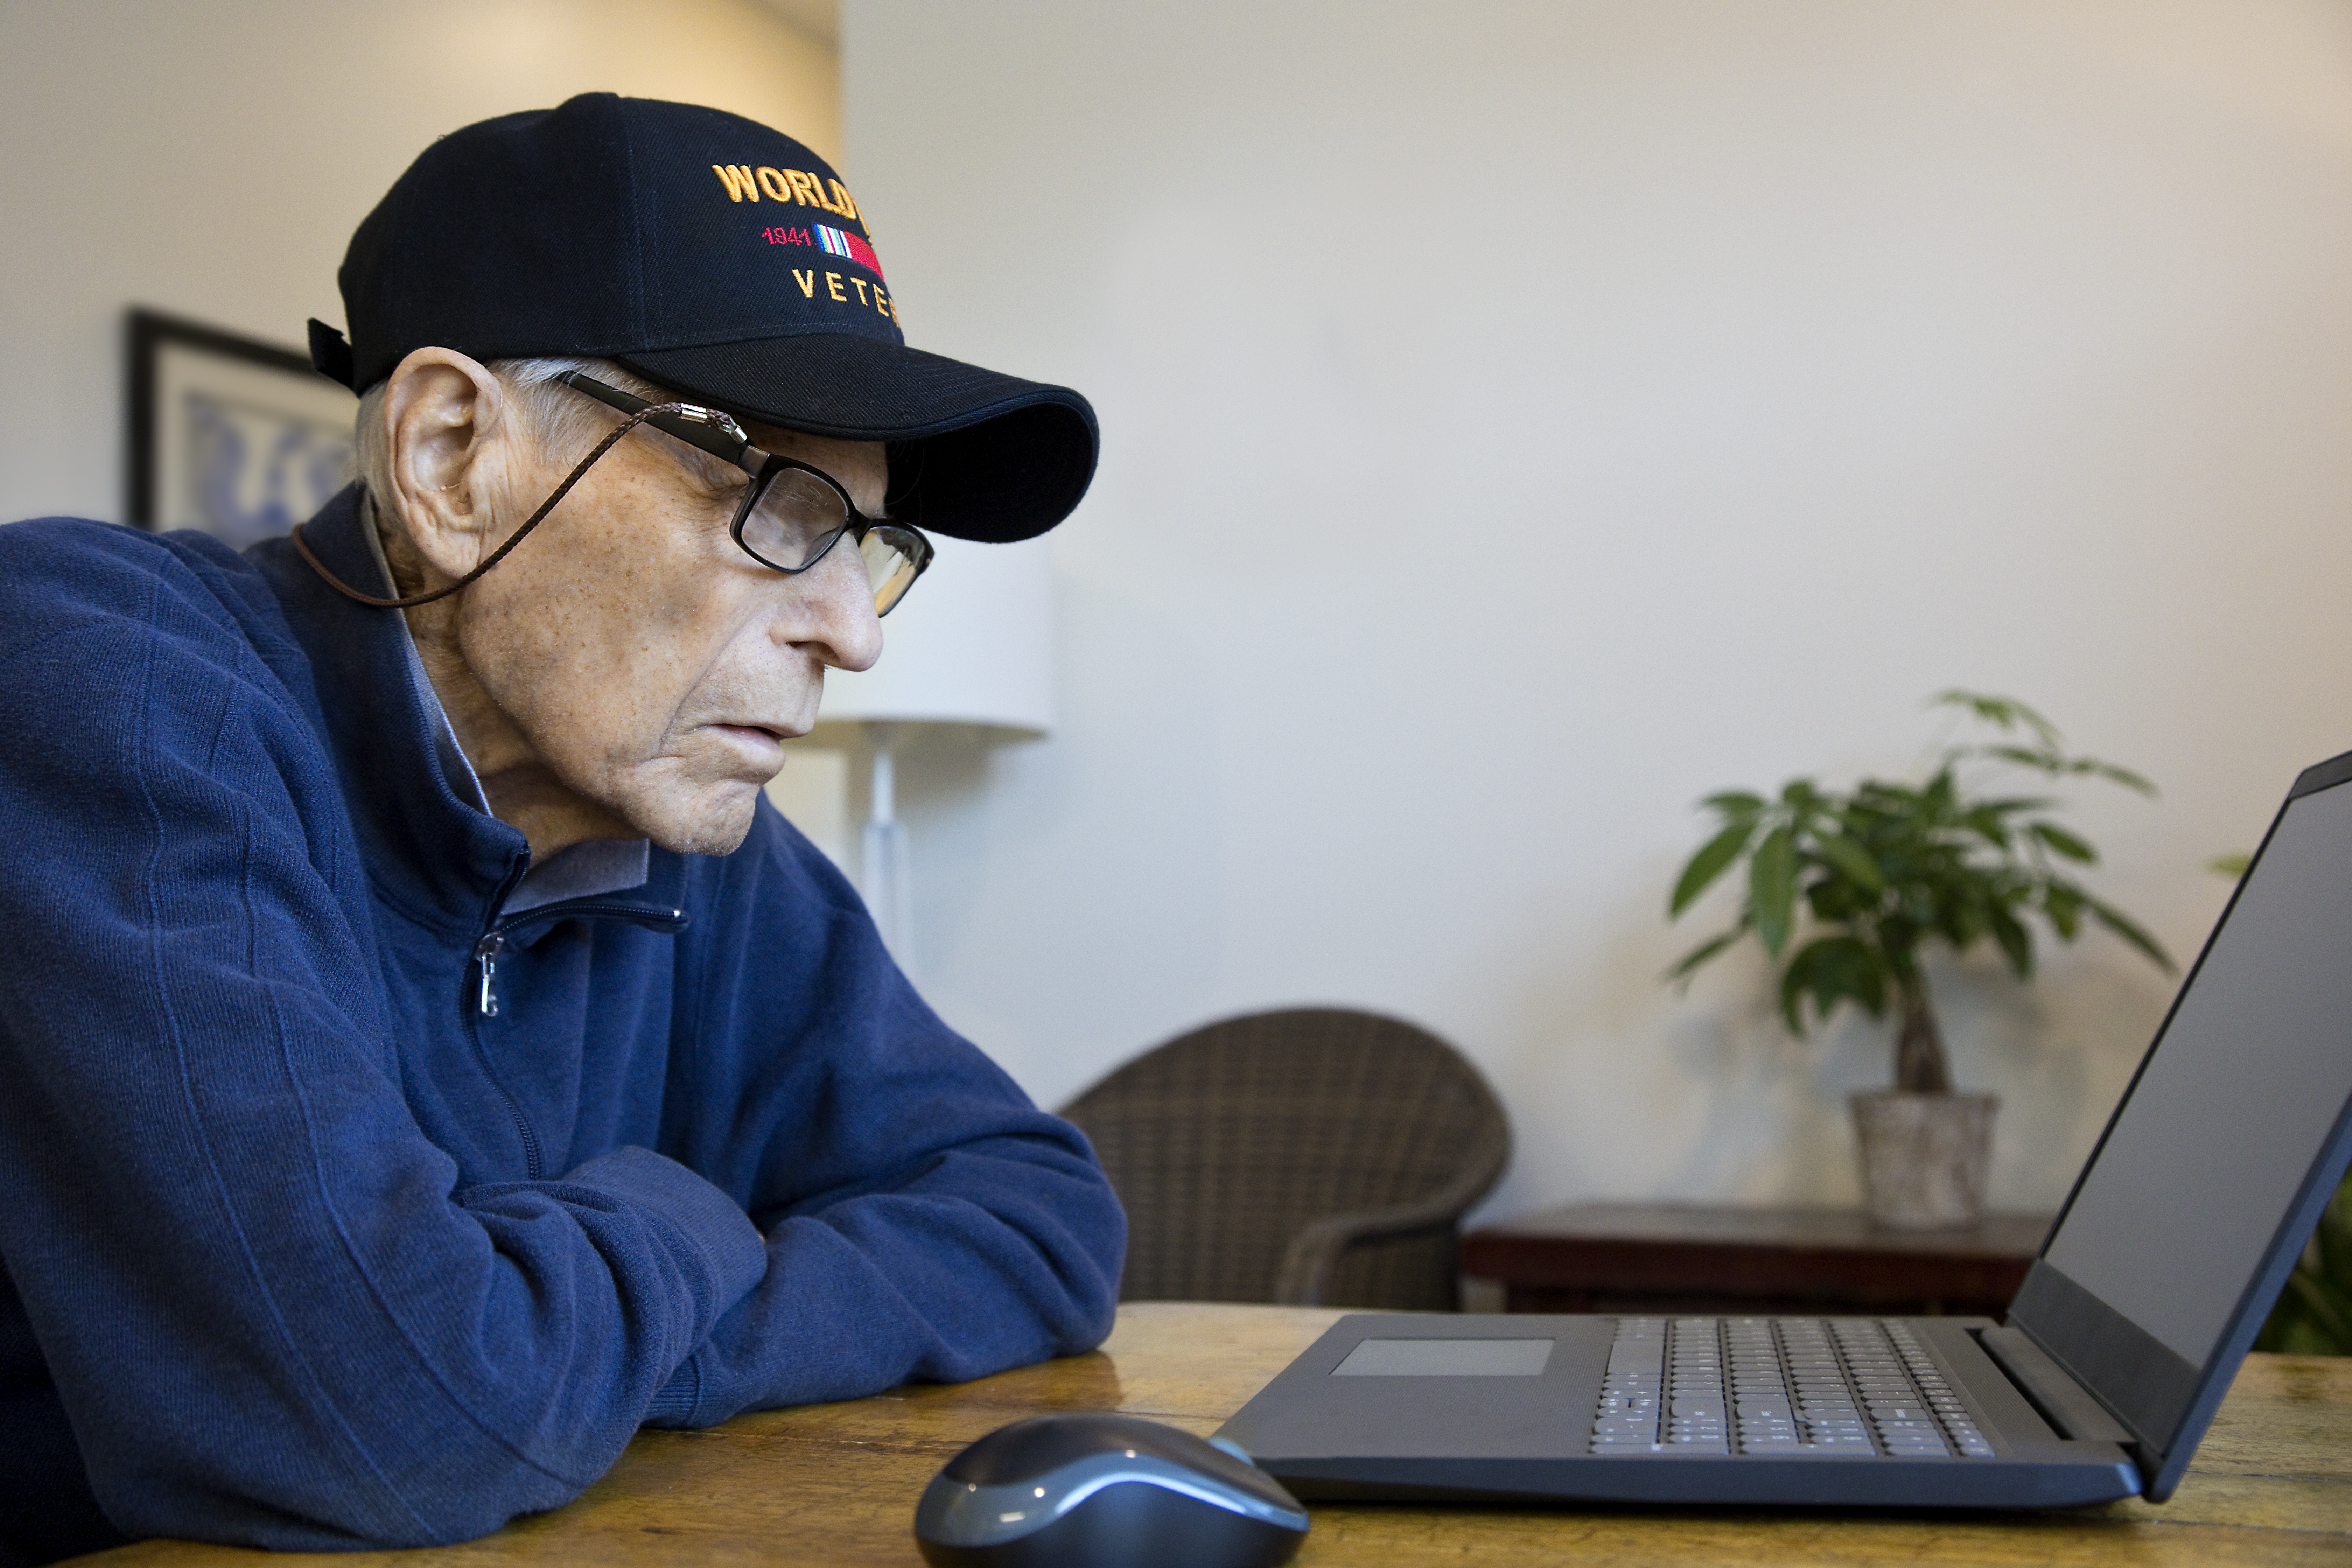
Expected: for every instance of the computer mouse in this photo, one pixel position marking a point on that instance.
(1087, 1488)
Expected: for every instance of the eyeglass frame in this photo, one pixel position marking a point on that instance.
(715, 432)
(710, 429)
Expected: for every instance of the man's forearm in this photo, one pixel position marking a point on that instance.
(997, 1256)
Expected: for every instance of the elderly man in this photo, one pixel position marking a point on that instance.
(425, 1058)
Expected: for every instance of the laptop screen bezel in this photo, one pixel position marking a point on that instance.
(2163, 1399)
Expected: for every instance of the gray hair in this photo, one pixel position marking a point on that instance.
(554, 418)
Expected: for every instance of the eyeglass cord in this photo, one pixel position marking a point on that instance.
(413, 600)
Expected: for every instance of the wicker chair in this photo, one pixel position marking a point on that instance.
(1307, 1157)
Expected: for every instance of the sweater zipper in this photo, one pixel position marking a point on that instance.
(494, 941)
(486, 994)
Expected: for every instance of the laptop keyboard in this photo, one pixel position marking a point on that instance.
(1858, 1386)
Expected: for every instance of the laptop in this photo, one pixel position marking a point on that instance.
(2178, 1235)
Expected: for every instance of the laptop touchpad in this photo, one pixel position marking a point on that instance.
(1445, 1358)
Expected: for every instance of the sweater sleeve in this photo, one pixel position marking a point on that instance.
(924, 1220)
(271, 1315)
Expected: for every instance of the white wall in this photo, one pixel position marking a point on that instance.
(1521, 419)
(213, 158)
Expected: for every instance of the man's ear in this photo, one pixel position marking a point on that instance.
(451, 435)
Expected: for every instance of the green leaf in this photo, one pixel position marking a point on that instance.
(2001, 712)
(1772, 888)
(1837, 901)
(2043, 761)
(1681, 973)
(1940, 792)
(1850, 860)
(2016, 942)
(2334, 1243)
(2114, 774)
(1985, 822)
(1713, 858)
(2010, 804)
(2123, 925)
(1827, 970)
(2063, 903)
(2230, 866)
(2330, 1316)
(1734, 803)
(2061, 842)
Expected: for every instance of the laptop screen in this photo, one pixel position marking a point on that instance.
(2214, 1141)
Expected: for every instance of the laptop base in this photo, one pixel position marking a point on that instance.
(1423, 1408)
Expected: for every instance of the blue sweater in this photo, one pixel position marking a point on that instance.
(304, 1249)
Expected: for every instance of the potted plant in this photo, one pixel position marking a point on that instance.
(1848, 891)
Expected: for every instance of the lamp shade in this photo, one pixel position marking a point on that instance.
(973, 644)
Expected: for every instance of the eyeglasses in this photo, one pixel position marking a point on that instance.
(788, 517)
(790, 514)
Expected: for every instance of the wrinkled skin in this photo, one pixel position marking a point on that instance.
(627, 672)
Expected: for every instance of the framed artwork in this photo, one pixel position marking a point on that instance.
(242, 439)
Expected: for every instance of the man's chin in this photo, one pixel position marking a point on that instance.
(718, 827)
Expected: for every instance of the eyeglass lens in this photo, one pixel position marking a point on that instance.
(798, 516)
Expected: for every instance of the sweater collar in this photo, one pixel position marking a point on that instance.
(430, 844)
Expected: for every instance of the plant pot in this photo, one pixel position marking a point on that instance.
(1924, 1157)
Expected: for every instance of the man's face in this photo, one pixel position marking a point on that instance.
(652, 665)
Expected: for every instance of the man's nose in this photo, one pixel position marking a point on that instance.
(835, 610)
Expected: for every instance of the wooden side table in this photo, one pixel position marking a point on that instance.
(1673, 1258)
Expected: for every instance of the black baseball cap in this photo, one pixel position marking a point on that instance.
(713, 255)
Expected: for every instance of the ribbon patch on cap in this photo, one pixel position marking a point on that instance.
(835, 242)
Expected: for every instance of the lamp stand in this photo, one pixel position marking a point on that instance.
(884, 873)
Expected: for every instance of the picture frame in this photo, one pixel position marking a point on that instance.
(239, 438)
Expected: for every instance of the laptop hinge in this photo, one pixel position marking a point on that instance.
(2063, 1403)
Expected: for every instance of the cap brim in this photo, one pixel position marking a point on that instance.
(973, 454)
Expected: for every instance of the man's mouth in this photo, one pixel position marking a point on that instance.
(759, 737)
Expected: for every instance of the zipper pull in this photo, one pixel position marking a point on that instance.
(485, 953)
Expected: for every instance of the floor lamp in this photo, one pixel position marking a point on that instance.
(972, 647)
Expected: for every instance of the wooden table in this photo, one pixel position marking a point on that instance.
(1676, 1257)
(836, 1484)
